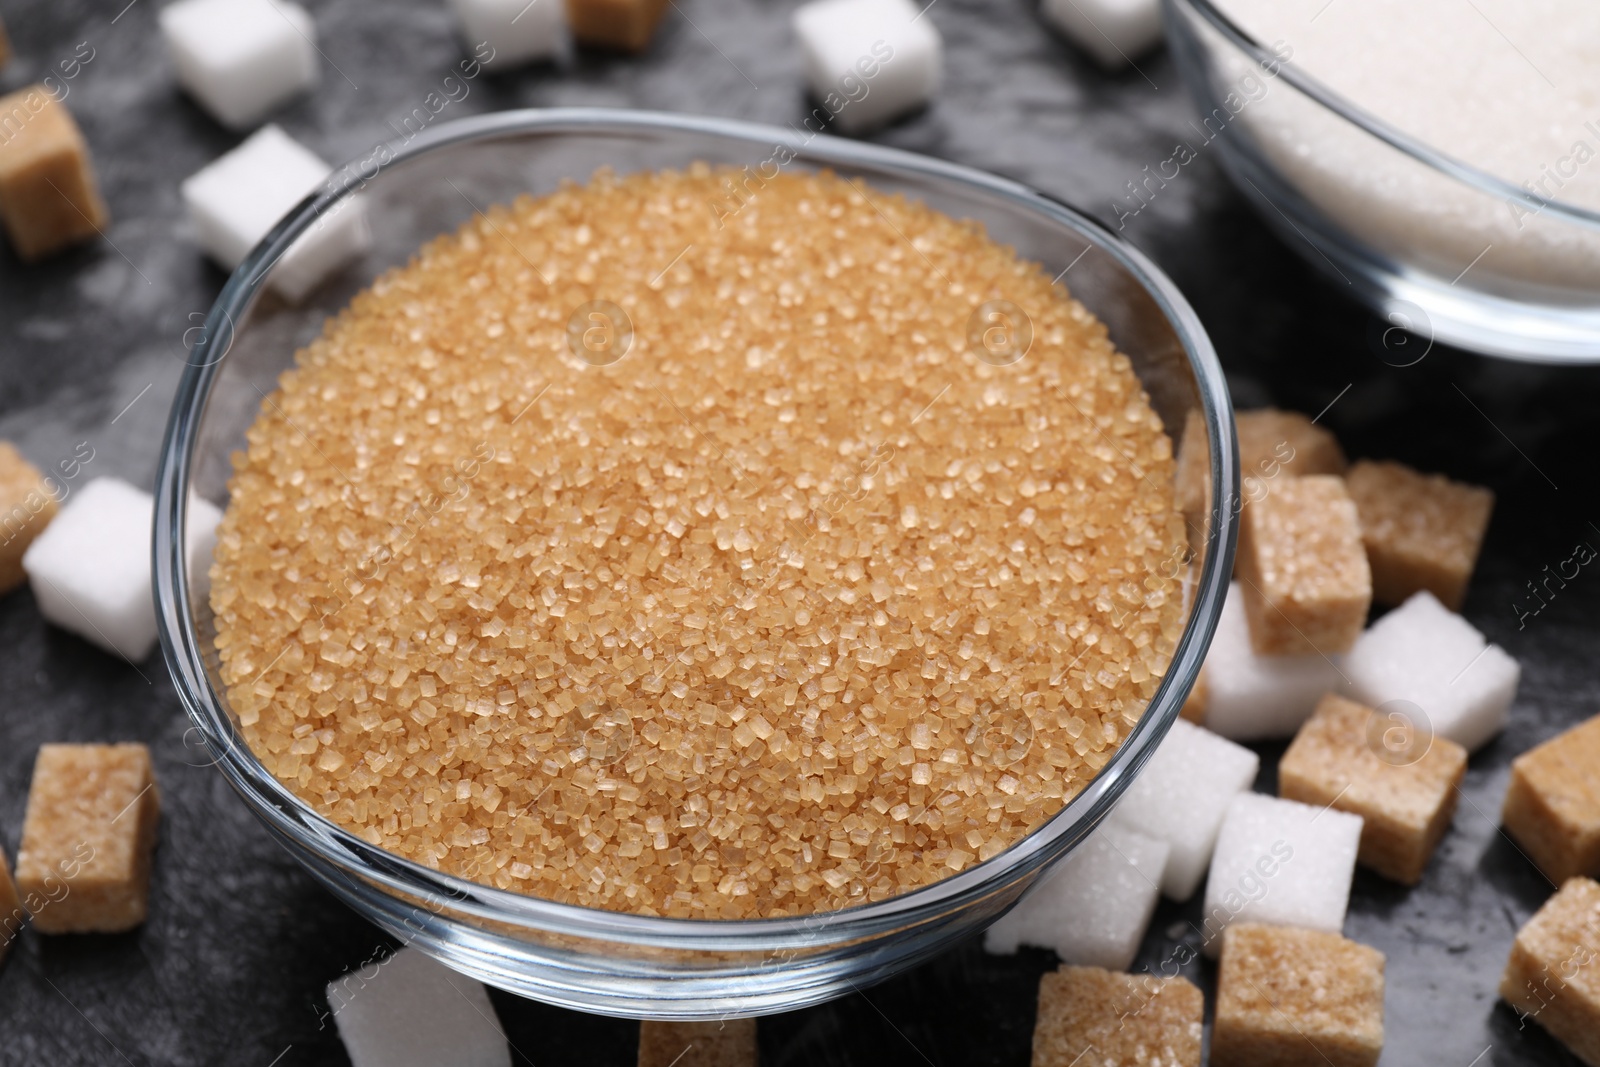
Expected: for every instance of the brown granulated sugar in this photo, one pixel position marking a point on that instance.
(795, 605)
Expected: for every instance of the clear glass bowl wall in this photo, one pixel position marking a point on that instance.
(585, 958)
(1434, 246)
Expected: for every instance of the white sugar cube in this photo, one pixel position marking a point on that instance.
(1280, 862)
(413, 1011)
(201, 543)
(1251, 697)
(1427, 655)
(1114, 32)
(868, 61)
(236, 200)
(1093, 907)
(1181, 797)
(515, 31)
(240, 58)
(90, 569)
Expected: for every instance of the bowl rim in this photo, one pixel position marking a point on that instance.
(1412, 146)
(296, 821)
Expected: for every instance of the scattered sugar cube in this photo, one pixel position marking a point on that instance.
(1251, 697)
(1289, 438)
(1422, 531)
(1553, 975)
(711, 1043)
(240, 59)
(1297, 998)
(1401, 782)
(1273, 445)
(1280, 862)
(90, 569)
(84, 862)
(416, 1012)
(1113, 32)
(12, 916)
(1093, 907)
(1425, 654)
(516, 31)
(623, 24)
(1552, 808)
(868, 61)
(1122, 1018)
(26, 507)
(238, 198)
(48, 195)
(1307, 587)
(1181, 796)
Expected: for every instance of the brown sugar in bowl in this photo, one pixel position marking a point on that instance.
(660, 541)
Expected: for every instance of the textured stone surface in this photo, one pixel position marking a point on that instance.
(240, 943)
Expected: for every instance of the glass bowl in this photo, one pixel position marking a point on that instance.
(590, 959)
(1436, 247)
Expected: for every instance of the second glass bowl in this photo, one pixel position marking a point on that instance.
(585, 958)
(1437, 248)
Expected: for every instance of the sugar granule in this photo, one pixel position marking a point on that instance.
(652, 550)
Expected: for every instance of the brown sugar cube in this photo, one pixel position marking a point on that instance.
(1552, 807)
(1273, 445)
(1403, 786)
(728, 1043)
(5, 46)
(1422, 531)
(1553, 975)
(1304, 572)
(624, 24)
(26, 508)
(1296, 998)
(48, 198)
(1123, 1018)
(11, 913)
(1289, 438)
(84, 863)
(1194, 706)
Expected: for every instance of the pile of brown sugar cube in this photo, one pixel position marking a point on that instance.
(1382, 717)
(1285, 996)
(1552, 812)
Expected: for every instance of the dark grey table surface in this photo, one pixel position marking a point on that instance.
(231, 965)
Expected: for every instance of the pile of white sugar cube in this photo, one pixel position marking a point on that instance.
(1421, 652)
(1190, 812)
(240, 60)
(1093, 908)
